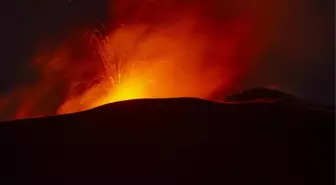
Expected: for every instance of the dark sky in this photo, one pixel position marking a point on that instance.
(301, 59)
(307, 43)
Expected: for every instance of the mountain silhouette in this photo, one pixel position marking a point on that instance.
(175, 141)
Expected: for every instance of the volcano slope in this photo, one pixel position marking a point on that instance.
(174, 141)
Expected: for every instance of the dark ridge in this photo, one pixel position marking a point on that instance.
(258, 93)
(270, 95)
(172, 141)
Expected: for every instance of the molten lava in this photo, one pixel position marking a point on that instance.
(185, 54)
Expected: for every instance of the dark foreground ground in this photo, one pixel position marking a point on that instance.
(174, 141)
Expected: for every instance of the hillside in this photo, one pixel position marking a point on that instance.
(173, 141)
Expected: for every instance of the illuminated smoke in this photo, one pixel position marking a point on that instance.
(160, 50)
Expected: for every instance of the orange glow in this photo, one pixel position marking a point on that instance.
(182, 55)
(163, 64)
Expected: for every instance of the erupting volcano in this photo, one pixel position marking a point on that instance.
(183, 67)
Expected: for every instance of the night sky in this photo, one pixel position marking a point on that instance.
(300, 60)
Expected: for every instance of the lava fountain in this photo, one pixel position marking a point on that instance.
(146, 54)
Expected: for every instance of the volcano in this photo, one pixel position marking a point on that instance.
(176, 141)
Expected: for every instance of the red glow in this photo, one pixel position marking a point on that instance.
(158, 51)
